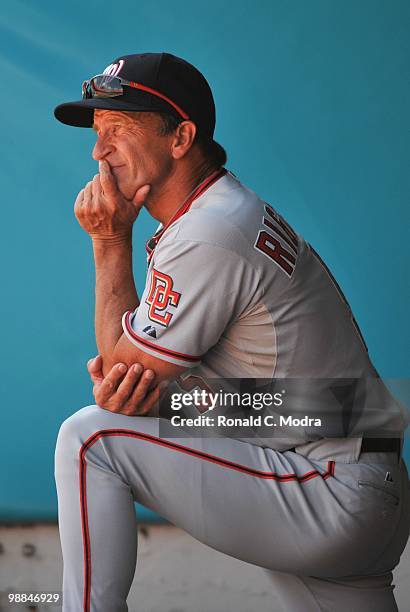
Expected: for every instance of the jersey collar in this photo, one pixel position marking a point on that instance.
(199, 190)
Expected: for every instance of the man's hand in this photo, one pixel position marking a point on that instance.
(101, 209)
(126, 391)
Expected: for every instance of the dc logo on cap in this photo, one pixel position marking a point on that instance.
(113, 69)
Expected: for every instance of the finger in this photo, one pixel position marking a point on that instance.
(78, 201)
(96, 186)
(142, 388)
(109, 385)
(94, 367)
(107, 179)
(88, 193)
(150, 402)
(140, 196)
(128, 384)
(97, 193)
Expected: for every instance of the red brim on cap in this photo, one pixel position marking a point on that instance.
(81, 112)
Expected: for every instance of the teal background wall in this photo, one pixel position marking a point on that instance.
(313, 108)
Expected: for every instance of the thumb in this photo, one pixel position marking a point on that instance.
(94, 367)
(107, 179)
(140, 196)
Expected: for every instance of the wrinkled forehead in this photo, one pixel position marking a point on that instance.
(105, 118)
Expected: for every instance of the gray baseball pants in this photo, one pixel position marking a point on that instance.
(329, 532)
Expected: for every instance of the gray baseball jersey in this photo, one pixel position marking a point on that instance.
(233, 290)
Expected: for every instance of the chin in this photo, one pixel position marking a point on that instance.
(127, 190)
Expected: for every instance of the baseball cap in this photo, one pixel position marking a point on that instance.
(157, 82)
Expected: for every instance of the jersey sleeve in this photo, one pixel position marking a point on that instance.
(194, 291)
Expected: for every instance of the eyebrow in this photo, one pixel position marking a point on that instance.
(113, 124)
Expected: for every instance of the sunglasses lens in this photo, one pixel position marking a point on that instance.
(104, 86)
(86, 93)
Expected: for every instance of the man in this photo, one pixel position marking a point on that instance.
(232, 293)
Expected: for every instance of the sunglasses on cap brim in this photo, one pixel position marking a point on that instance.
(107, 86)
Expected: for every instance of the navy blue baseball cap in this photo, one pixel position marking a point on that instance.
(155, 82)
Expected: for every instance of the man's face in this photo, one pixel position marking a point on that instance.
(133, 148)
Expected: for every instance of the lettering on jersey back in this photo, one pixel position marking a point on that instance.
(161, 295)
(269, 242)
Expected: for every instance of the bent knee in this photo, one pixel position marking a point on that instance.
(74, 430)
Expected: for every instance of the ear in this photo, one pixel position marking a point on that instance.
(183, 139)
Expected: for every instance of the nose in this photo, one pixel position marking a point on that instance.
(102, 148)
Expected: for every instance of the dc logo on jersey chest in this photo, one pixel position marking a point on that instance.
(161, 295)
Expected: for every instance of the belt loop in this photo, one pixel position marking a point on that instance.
(382, 445)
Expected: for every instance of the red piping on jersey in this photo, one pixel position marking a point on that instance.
(176, 447)
(156, 347)
(210, 180)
